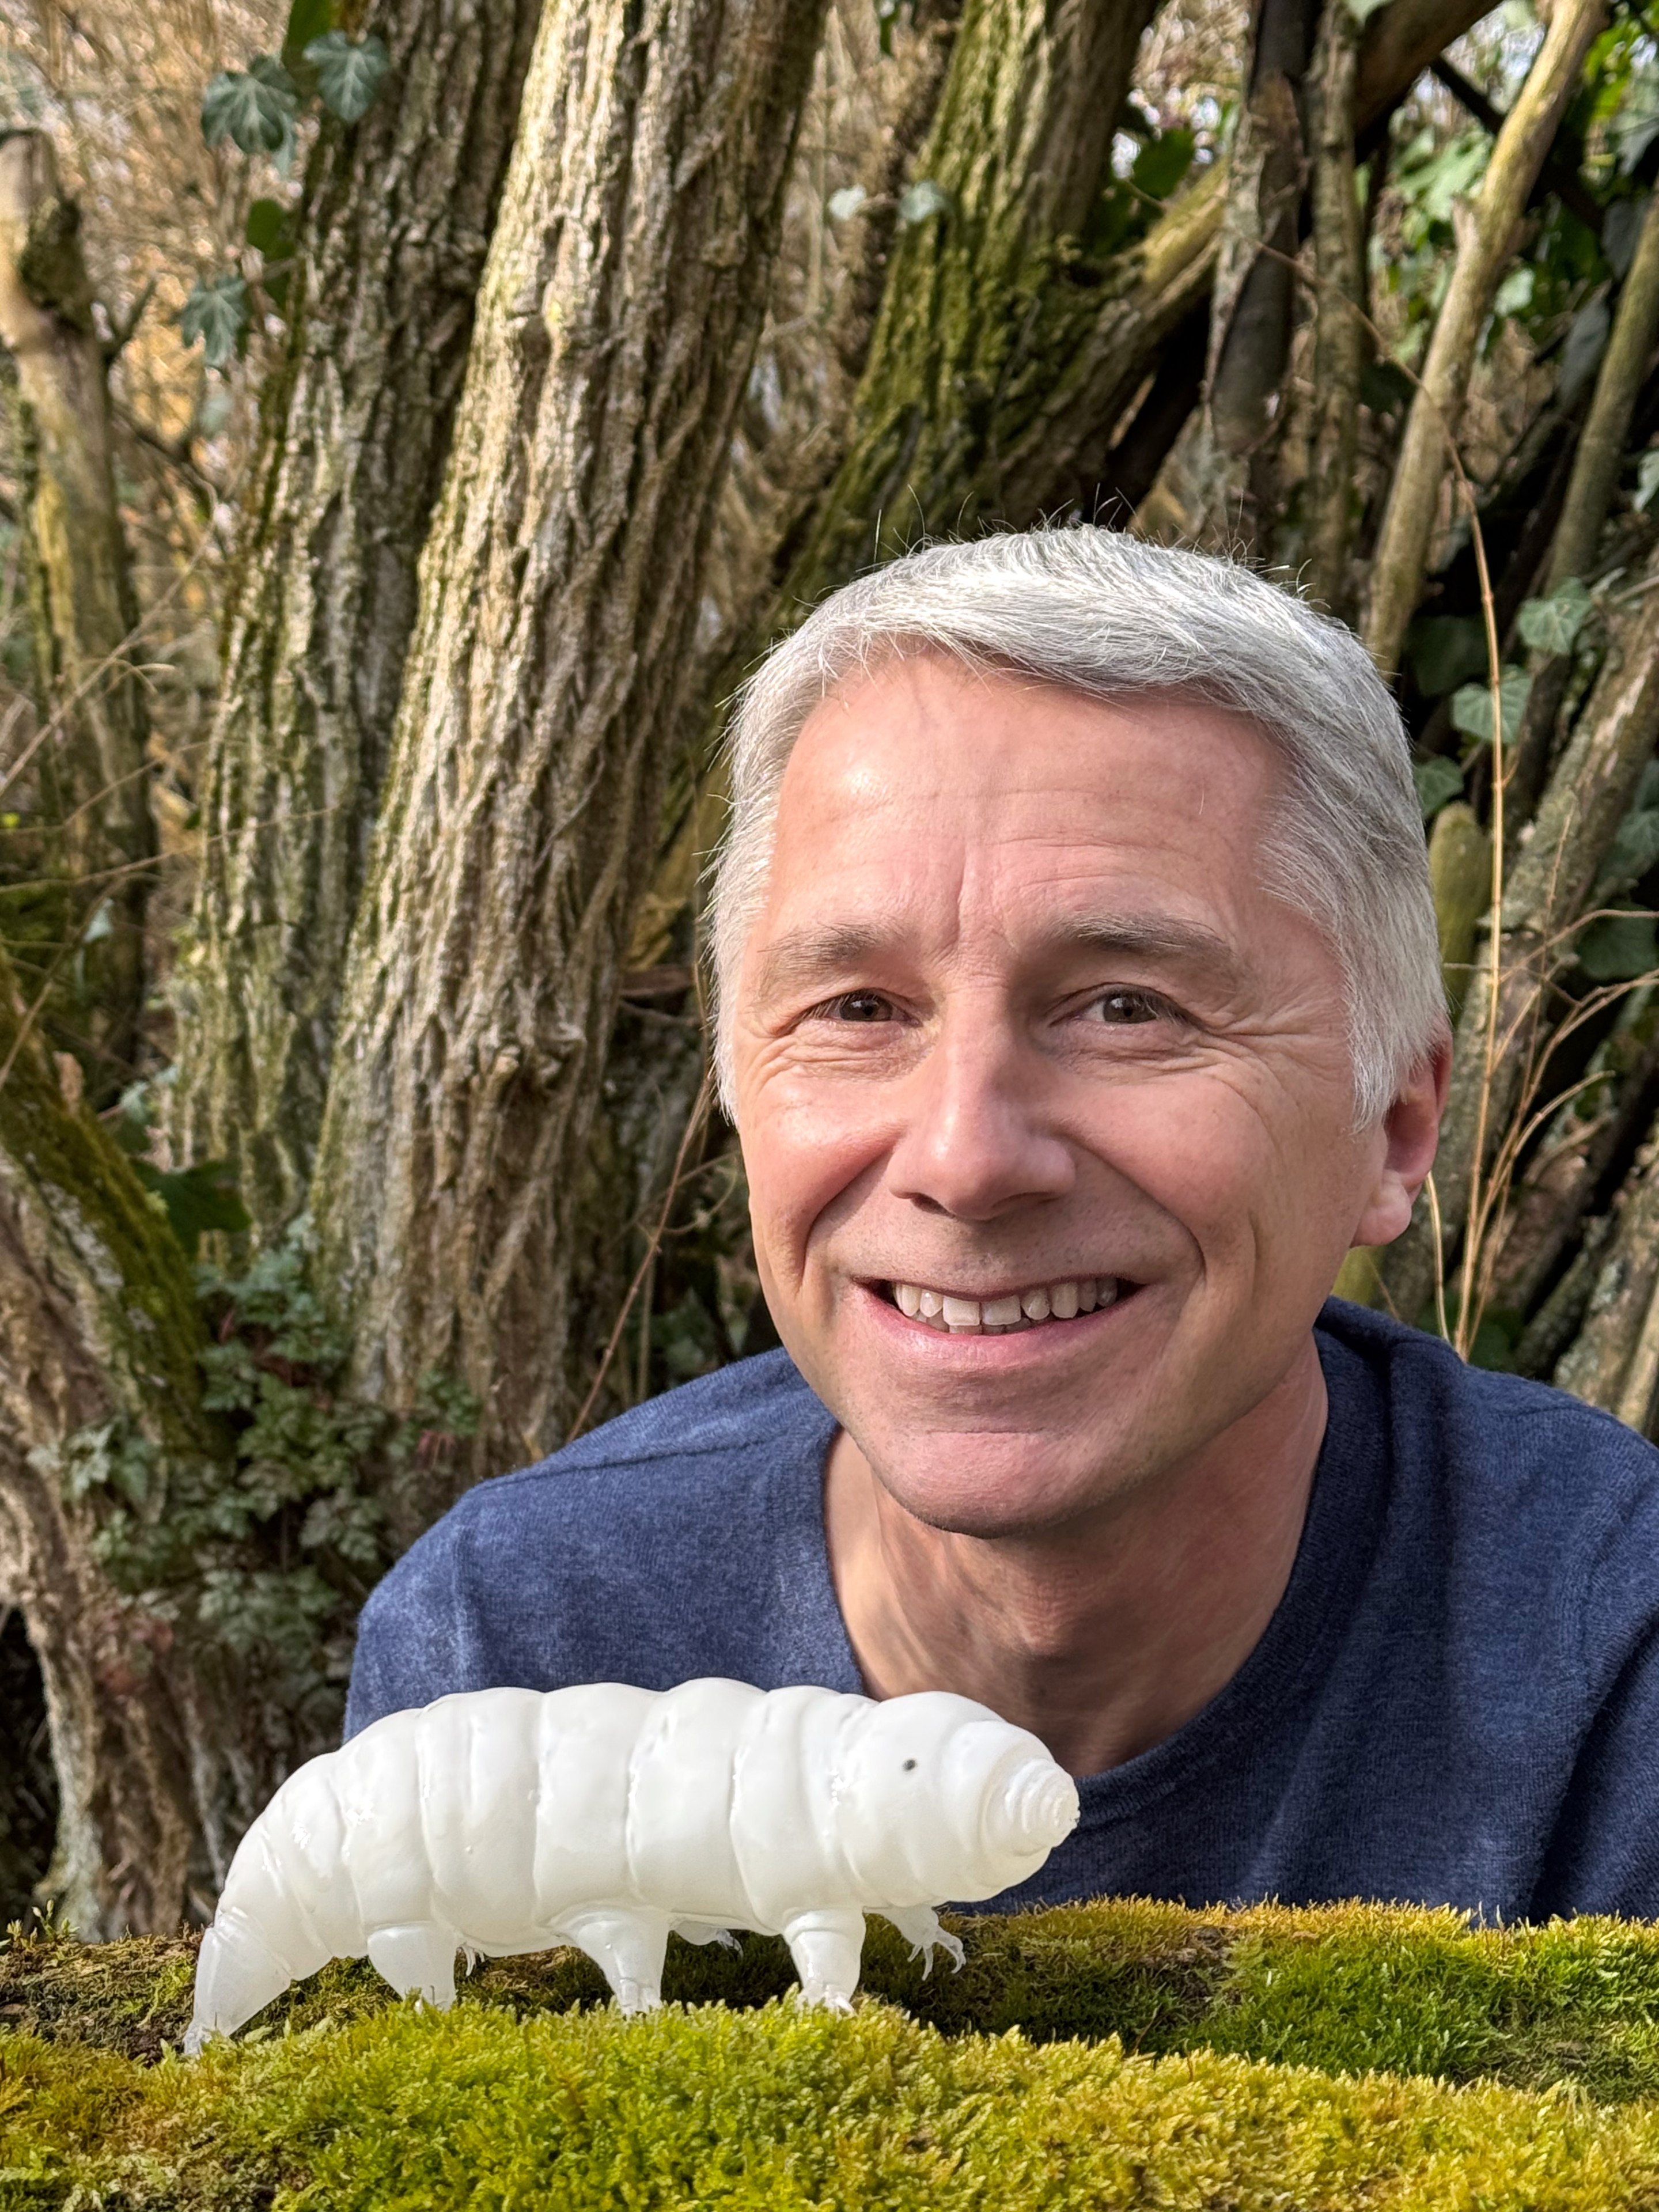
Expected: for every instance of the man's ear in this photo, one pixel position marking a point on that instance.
(1410, 1130)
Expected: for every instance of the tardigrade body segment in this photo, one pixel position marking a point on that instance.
(503, 1820)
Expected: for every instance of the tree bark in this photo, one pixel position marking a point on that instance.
(621, 305)
(1588, 797)
(1489, 232)
(1590, 492)
(995, 379)
(93, 773)
(974, 322)
(354, 437)
(1255, 292)
(1341, 338)
(1613, 1362)
(100, 1327)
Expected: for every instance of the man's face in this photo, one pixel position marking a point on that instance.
(1020, 1013)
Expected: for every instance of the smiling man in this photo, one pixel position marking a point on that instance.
(1080, 1008)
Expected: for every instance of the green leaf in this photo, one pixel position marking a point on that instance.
(1618, 947)
(923, 198)
(254, 107)
(217, 314)
(1471, 707)
(349, 72)
(306, 20)
(196, 1199)
(1444, 651)
(269, 229)
(1438, 781)
(1550, 625)
(1634, 850)
(1385, 388)
(1162, 163)
(1516, 291)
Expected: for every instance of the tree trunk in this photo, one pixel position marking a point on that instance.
(965, 344)
(1590, 492)
(1341, 342)
(1588, 798)
(1488, 233)
(92, 771)
(101, 1334)
(621, 305)
(996, 380)
(1253, 299)
(355, 431)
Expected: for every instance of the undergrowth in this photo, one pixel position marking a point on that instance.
(1118, 2053)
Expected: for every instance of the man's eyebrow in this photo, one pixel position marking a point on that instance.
(804, 956)
(1156, 937)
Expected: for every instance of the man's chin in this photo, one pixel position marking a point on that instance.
(1012, 1487)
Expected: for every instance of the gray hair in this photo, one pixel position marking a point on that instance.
(1104, 616)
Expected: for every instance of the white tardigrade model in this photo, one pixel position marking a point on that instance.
(504, 1820)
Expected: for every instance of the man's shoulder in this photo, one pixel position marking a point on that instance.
(1519, 1444)
(685, 1444)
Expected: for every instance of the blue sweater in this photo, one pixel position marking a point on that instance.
(1456, 1701)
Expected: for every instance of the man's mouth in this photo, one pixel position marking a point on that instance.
(1010, 1314)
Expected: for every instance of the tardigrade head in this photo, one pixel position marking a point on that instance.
(942, 1800)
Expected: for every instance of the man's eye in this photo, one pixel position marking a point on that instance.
(858, 1006)
(1130, 1006)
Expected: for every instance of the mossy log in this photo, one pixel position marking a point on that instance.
(1118, 2053)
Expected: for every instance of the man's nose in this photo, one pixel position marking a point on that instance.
(977, 1139)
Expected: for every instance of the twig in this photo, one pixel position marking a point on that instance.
(693, 1125)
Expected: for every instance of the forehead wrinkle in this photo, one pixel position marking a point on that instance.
(804, 955)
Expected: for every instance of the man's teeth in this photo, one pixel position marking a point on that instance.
(1018, 1310)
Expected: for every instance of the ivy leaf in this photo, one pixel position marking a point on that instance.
(349, 72)
(1438, 781)
(217, 314)
(1471, 707)
(923, 198)
(1444, 651)
(196, 1199)
(1162, 163)
(254, 107)
(306, 20)
(1617, 948)
(269, 230)
(1550, 625)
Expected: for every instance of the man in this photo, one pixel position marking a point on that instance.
(1079, 1007)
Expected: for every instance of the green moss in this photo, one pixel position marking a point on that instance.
(1343, 1988)
(1118, 2053)
(775, 2108)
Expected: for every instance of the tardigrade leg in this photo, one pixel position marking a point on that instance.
(628, 1949)
(418, 1959)
(919, 1925)
(826, 1947)
(704, 1931)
